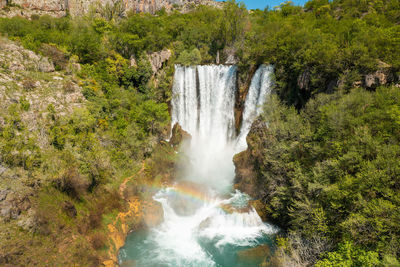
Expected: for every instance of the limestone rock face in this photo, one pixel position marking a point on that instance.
(246, 162)
(76, 7)
(158, 58)
(380, 77)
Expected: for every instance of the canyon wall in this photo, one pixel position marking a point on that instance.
(76, 7)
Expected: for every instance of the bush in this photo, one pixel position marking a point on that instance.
(25, 105)
(332, 169)
(187, 58)
(69, 87)
(98, 240)
(58, 57)
(29, 84)
(86, 44)
(72, 183)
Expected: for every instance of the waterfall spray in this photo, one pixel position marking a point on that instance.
(207, 227)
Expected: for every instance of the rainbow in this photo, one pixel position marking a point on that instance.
(191, 192)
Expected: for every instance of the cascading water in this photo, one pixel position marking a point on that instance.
(260, 88)
(205, 224)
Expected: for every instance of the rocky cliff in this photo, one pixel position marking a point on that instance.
(76, 7)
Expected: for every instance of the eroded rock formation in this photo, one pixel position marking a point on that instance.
(179, 135)
(247, 162)
(76, 7)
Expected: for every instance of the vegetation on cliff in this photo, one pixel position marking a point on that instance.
(330, 176)
(328, 167)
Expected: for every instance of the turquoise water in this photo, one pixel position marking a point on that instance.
(142, 252)
(210, 235)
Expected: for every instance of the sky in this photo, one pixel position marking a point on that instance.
(261, 4)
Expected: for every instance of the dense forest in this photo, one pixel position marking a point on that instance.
(328, 160)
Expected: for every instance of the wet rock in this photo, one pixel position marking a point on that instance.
(128, 263)
(205, 224)
(153, 214)
(260, 208)
(179, 135)
(254, 256)
(246, 162)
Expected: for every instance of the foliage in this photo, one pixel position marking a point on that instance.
(329, 163)
(332, 172)
(189, 58)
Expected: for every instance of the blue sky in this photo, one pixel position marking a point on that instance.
(261, 4)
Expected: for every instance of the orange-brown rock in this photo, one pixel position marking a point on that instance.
(254, 256)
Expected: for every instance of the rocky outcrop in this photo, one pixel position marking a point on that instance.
(230, 55)
(19, 59)
(19, 70)
(246, 166)
(179, 135)
(77, 7)
(378, 78)
(29, 82)
(12, 204)
(157, 59)
(243, 83)
(254, 256)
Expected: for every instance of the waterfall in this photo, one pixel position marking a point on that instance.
(203, 104)
(206, 223)
(260, 88)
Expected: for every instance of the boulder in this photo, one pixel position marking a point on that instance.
(45, 65)
(230, 55)
(13, 204)
(254, 256)
(380, 77)
(247, 162)
(28, 222)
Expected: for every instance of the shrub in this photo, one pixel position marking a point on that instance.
(25, 105)
(95, 217)
(29, 84)
(72, 183)
(192, 57)
(86, 44)
(69, 87)
(58, 57)
(98, 240)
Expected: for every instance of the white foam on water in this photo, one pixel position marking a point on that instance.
(203, 104)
